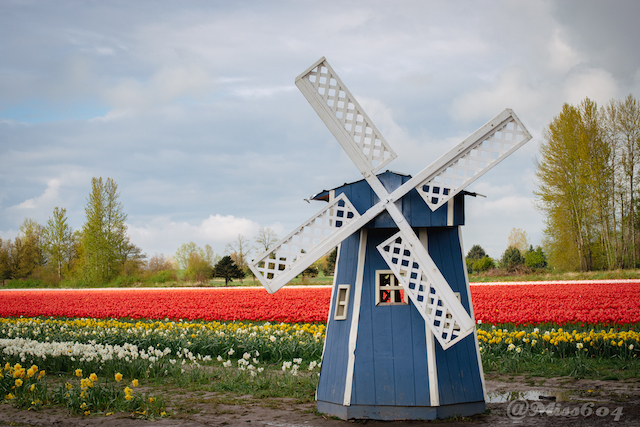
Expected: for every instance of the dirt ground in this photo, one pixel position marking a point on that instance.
(511, 401)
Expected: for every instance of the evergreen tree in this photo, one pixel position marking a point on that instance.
(228, 269)
(511, 259)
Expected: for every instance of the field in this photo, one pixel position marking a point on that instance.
(115, 353)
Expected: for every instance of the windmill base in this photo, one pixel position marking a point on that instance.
(391, 413)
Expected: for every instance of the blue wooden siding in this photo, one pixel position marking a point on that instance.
(412, 205)
(390, 365)
(458, 371)
(391, 356)
(331, 384)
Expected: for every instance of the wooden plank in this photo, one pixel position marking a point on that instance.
(364, 377)
(462, 370)
(334, 363)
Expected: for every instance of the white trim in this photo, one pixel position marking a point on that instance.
(355, 318)
(450, 212)
(344, 303)
(432, 371)
(475, 330)
(333, 290)
(396, 286)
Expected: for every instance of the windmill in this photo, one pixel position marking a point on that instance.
(388, 238)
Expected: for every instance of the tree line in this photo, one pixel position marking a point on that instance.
(588, 176)
(519, 258)
(97, 253)
(101, 252)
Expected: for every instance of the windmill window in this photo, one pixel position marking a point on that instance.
(342, 302)
(388, 290)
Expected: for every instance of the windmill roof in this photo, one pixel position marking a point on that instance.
(324, 194)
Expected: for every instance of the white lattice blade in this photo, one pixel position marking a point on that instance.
(345, 118)
(468, 161)
(428, 290)
(298, 250)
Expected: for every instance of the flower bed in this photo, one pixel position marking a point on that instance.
(593, 303)
(255, 304)
(599, 303)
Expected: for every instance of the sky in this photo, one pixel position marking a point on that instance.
(191, 107)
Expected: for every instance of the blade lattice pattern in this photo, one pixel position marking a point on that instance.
(463, 168)
(425, 295)
(290, 249)
(351, 115)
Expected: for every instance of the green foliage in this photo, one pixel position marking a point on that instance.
(5, 259)
(535, 258)
(198, 269)
(104, 241)
(58, 242)
(511, 259)
(588, 183)
(476, 252)
(483, 264)
(331, 262)
(183, 253)
(227, 269)
(311, 271)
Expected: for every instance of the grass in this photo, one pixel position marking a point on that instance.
(549, 366)
(129, 282)
(500, 276)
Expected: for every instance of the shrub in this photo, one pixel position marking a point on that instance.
(483, 264)
(535, 258)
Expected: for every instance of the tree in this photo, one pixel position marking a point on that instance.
(228, 269)
(623, 131)
(265, 239)
(184, 253)
(476, 252)
(511, 259)
(5, 260)
(27, 254)
(575, 175)
(483, 264)
(331, 262)
(158, 263)
(198, 269)
(104, 239)
(239, 250)
(535, 258)
(518, 239)
(58, 241)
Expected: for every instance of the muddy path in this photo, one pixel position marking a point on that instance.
(510, 401)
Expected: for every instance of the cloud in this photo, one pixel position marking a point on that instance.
(596, 84)
(46, 199)
(168, 84)
(163, 235)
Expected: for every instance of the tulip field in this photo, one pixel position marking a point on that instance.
(593, 303)
(106, 340)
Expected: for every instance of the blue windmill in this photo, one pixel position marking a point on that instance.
(400, 341)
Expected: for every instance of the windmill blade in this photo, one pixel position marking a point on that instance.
(471, 159)
(307, 243)
(345, 118)
(428, 289)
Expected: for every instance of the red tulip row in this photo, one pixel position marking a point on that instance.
(558, 303)
(287, 305)
(519, 304)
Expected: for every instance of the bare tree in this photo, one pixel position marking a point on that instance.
(239, 251)
(265, 239)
